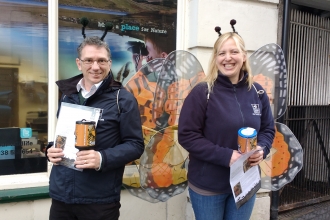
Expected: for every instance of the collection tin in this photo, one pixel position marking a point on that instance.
(85, 135)
(247, 139)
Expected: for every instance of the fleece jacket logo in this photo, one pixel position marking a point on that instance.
(256, 109)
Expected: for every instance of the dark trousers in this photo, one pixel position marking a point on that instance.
(62, 211)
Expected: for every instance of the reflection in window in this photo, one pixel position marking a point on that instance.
(23, 86)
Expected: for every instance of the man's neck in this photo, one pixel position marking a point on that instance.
(86, 85)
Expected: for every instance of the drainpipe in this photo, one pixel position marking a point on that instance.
(285, 42)
(286, 27)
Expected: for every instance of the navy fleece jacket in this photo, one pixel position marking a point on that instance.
(208, 129)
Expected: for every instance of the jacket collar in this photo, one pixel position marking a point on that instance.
(224, 80)
(68, 86)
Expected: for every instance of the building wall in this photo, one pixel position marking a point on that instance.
(257, 23)
(132, 208)
(177, 208)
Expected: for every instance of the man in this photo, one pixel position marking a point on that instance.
(94, 194)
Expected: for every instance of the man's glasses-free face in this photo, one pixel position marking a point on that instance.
(100, 62)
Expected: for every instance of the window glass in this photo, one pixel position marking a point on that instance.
(23, 86)
(142, 31)
(24, 61)
(133, 22)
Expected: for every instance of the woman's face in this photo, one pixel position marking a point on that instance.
(230, 59)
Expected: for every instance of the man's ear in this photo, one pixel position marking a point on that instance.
(163, 54)
(78, 64)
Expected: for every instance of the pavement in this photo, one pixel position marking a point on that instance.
(320, 211)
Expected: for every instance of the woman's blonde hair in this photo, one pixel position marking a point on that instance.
(212, 73)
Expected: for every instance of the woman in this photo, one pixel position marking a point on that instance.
(211, 116)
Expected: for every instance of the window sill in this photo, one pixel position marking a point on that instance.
(24, 194)
(20, 181)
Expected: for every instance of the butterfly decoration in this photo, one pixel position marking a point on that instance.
(285, 159)
(160, 87)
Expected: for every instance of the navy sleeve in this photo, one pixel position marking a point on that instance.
(267, 128)
(132, 145)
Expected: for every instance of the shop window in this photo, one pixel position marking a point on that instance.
(23, 87)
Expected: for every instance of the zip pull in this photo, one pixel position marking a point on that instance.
(208, 93)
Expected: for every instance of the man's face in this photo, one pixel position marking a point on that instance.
(95, 72)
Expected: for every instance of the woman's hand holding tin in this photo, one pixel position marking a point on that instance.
(257, 157)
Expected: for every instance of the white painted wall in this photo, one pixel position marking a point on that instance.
(257, 22)
(30, 210)
(132, 207)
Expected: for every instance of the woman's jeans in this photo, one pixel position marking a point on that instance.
(220, 207)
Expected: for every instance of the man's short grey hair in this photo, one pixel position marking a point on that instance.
(94, 41)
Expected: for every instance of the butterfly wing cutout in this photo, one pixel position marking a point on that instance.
(269, 70)
(181, 71)
(142, 85)
(161, 173)
(285, 159)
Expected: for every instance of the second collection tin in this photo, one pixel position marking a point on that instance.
(247, 139)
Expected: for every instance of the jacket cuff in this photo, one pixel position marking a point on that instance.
(265, 149)
(100, 165)
(102, 161)
(49, 145)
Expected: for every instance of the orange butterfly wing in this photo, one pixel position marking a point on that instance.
(278, 161)
(161, 169)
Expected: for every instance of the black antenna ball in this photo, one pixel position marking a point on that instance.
(217, 29)
(84, 21)
(108, 26)
(232, 23)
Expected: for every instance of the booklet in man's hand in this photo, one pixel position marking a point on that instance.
(65, 129)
